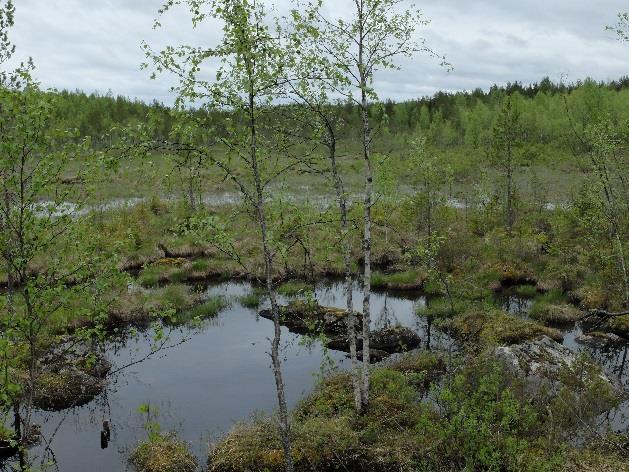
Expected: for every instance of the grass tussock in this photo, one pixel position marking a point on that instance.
(294, 289)
(552, 308)
(620, 326)
(490, 326)
(203, 311)
(252, 300)
(407, 280)
(163, 453)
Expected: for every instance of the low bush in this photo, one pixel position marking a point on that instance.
(477, 420)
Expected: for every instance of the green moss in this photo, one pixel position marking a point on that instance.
(494, 327)
(410, 279)
(441, 307)
(620, 326)
(294, 288)
(525, 291)
(163, 453)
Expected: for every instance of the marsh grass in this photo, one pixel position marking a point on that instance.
(294, 288)
(410, 279)
(163, 453)
(552, 308)
(206, 310)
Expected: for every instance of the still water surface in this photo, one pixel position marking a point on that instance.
(211, 378)
(206, 379)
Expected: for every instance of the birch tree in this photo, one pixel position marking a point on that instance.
(48, 255)
(621, 28)
(312, 81)
(604, 146)
(372, 38)
(249, 80)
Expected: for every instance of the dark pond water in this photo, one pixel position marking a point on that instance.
(211, 378)
(208, 378)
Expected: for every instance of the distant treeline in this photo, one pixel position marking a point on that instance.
(548, 110)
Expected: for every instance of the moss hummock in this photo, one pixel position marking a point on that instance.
(163, 453)
(67, 389)
(408, 280)
(494, 327)
(620, 326)
(550, 314)
(478, 419)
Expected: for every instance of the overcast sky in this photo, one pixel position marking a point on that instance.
(95, 45)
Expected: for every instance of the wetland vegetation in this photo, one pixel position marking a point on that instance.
(282, 271)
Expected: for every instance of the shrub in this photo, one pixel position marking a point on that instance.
(484, 425)
(480, 420)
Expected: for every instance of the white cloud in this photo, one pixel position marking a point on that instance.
(95, 46)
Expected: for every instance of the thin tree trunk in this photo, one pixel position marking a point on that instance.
(21, 448)
(366, 142)
(33, 370)
(191, 194)
(347, 262)
(429, 206)
(268, 264)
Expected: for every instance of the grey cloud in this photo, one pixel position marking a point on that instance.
(95, 46)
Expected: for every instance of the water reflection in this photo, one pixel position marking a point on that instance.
(205, 379)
